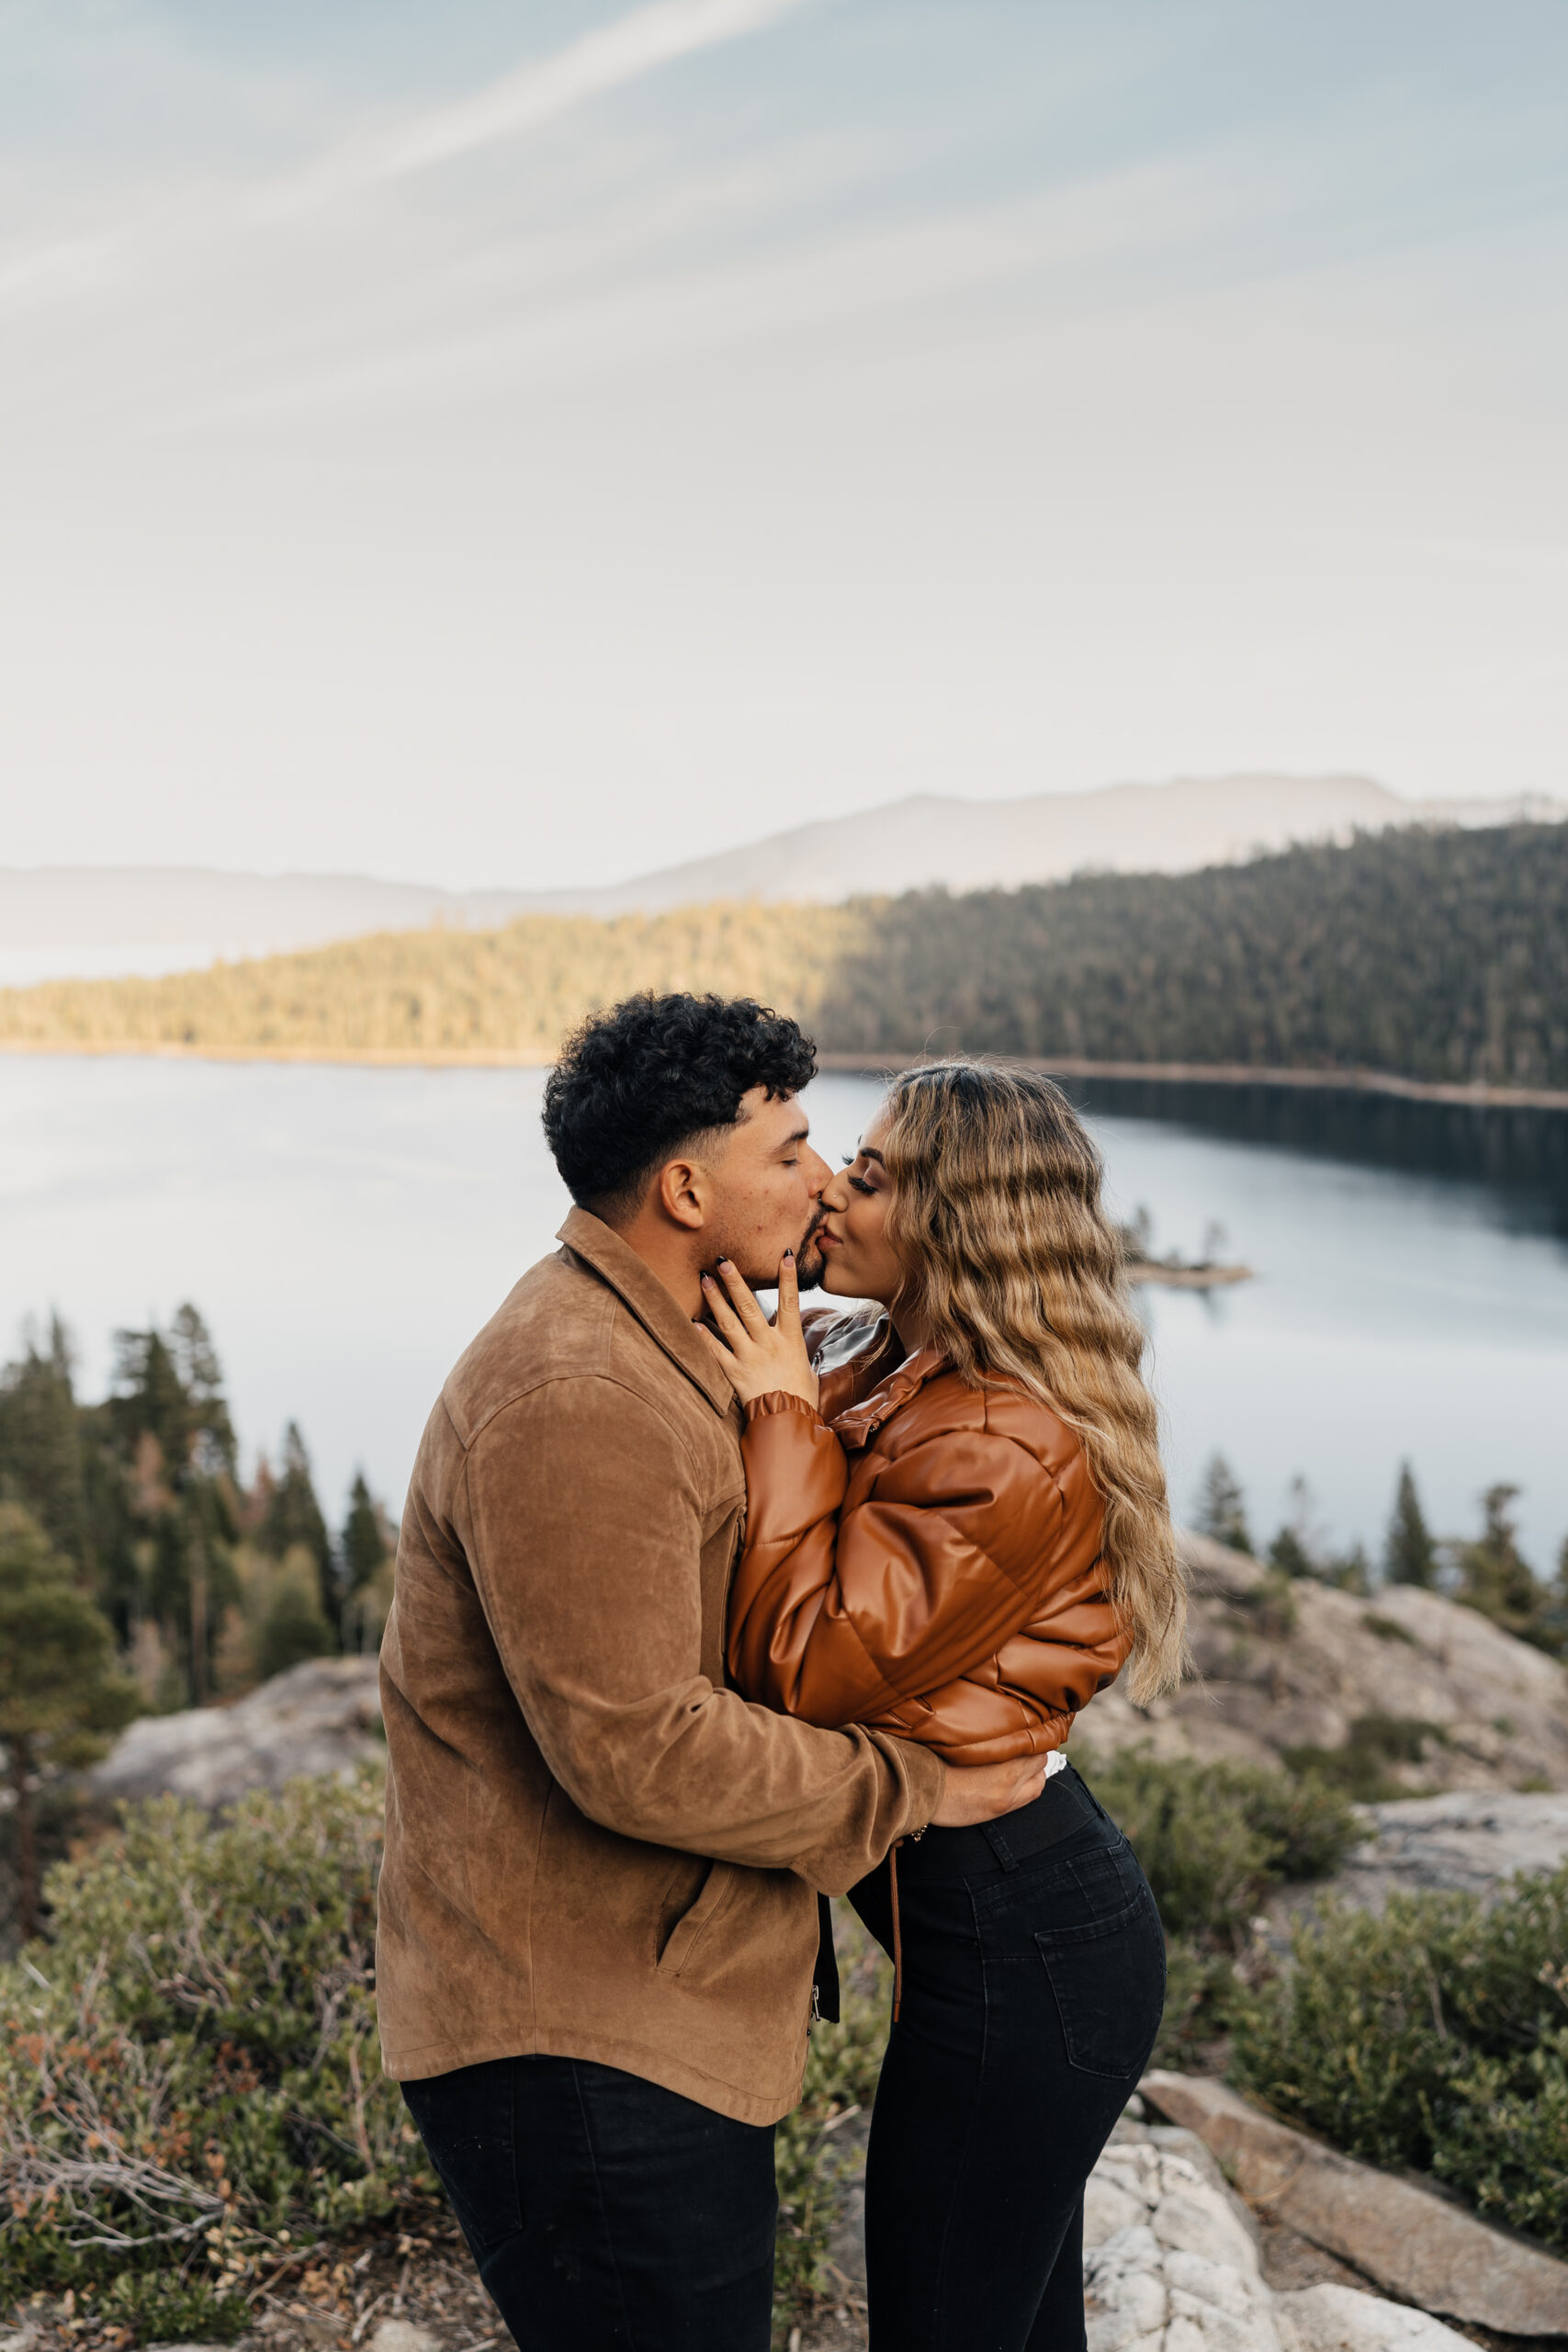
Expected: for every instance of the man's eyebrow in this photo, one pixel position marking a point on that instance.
(798, 1136)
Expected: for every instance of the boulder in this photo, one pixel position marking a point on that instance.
(322, 1717)
(1425, 2250)
(1172, 2263)
(1170, 2257)
(1295, 1665)
(1465, 1839)
(1339, 2319)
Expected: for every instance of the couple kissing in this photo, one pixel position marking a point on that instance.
(702, 1619)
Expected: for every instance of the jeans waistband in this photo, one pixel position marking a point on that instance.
(1063, 1807)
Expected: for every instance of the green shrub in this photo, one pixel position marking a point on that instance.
(1360, 1767)
(1434, 2037)
(1387, 1629)
(1213, 1838)
(1200, 1988)
(843, 2064)
(191, 2065)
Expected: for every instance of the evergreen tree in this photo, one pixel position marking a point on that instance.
(1289, 1554)
(294, 1627)
(168, 1427)
(1555, 1614)
(58, 1693)
(1350, 1571)
(1410, 1552)
(364, 1544)
(41, 1445)
(1294, 1550)
(1221, 1506)
(294, 1517)
(1496, 1579)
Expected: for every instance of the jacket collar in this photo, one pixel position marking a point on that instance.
(639, 1289)
(860, 1424)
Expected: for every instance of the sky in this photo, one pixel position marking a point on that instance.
(526, 445)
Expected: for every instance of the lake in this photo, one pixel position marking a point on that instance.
(345, 1231)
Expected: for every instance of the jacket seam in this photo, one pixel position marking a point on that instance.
(569, 1379)
(611, 1308)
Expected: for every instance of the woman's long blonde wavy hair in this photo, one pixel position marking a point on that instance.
(995, 1214)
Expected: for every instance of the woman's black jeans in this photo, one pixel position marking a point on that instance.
(1033, 1978)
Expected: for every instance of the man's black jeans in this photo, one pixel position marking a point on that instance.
(604, 2212)
(1034, 1980)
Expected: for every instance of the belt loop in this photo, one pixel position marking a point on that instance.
(996, 1838)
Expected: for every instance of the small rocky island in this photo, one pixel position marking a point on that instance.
(1173, 1272)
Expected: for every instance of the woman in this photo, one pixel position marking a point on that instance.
(957, 1531)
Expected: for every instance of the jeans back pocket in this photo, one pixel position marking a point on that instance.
(1104, 1956)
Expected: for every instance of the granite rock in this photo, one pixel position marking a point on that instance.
(1424, 2250)
(1295, 1665)
(1339, 2319)
(322, 1717)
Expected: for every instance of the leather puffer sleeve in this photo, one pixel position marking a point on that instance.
(838, 1614)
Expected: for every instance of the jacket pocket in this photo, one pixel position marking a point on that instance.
(715, 1891)
(1105, 1962)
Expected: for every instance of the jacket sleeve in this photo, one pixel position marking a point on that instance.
(587, 1565)
(838, 1615)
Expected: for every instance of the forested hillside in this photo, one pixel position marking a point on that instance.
(1441, 955)
(1438, 955)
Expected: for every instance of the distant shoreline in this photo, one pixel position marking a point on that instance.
(1375, 1083)
(1336, 1082)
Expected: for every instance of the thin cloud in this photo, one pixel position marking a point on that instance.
(616, 53)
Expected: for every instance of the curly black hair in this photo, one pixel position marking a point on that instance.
(636, 1083)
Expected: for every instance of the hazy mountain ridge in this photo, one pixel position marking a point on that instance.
(1438, 956)
(906, 845)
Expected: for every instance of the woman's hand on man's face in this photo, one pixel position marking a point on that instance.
(758, 1356)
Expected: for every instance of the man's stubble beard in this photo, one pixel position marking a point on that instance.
(810, 1264)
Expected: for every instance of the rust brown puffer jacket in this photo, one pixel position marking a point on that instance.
(921, 1556)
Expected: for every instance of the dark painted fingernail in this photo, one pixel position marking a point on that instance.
(721, 1260)
(789, 1253)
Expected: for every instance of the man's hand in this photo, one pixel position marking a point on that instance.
(981, 1792)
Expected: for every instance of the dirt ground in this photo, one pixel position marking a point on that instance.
(393, 2293)
(420, 2293)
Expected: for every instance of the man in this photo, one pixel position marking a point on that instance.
(598, 1919)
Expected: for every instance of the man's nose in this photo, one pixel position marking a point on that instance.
(819, 1175)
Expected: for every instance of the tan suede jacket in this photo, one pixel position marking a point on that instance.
(594, 1848)
(921, 1556)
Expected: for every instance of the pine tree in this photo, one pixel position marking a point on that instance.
(1295, 1548)
(1496, 1579)
(172, 1500)
(1410, 1552)
(40, 1445)
(294, 1517)
(1221, 1506)
(365, 1544)
(59, 1691)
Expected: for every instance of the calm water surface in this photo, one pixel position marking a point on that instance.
(345, 1232)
